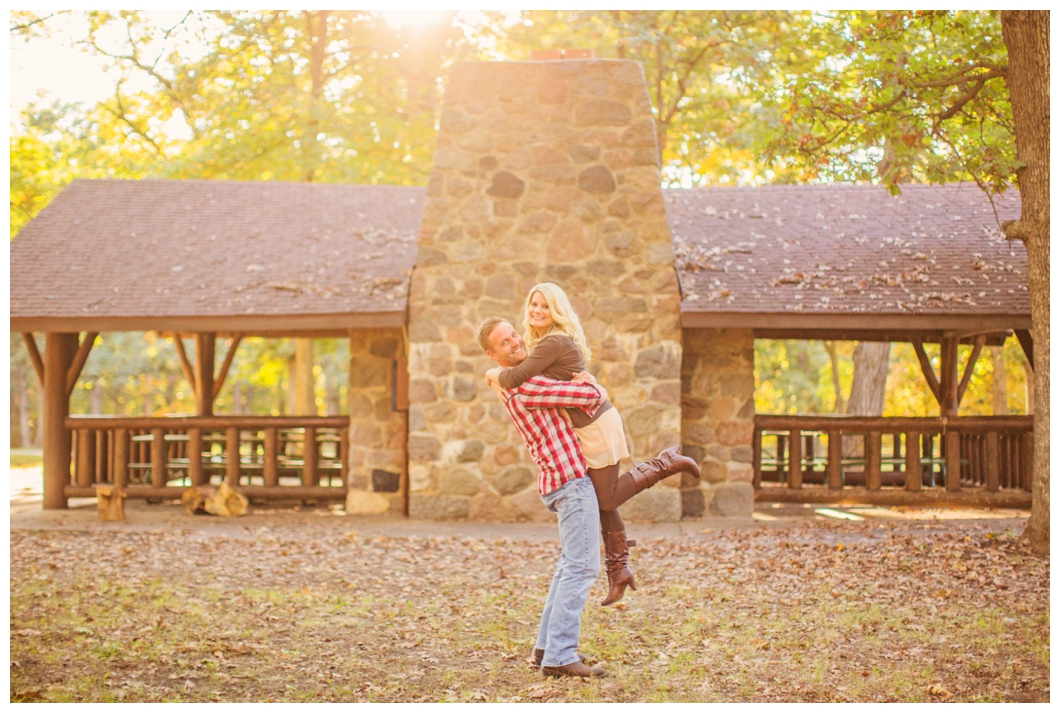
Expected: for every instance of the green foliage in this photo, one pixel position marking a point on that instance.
(893, 96)
(796, 377)
(333, 97)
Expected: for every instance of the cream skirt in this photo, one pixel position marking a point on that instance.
(603, 441)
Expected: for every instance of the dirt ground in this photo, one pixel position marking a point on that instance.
(307, 604)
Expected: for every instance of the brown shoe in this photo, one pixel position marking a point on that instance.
(616, 559)
(576, 669)
(667, 463)
(539, 656)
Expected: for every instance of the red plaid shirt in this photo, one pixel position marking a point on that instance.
(535, 409)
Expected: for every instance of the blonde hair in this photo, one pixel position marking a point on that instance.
(564, 318)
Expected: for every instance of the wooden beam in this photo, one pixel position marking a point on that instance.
(232, 457)
(219, 382)
(873, 444)
(952, 442)
(890, 497)
(205, 345)
(929, 371)
(286, 325)
(1027, 343)
(756, 457)
(948, 377)
(59, 349)
(912, 461)
(78, 364)
(835, 460)
(34, 355)
(195, 456)
(993, 464)
(969, 366)
(269, 469)
(185, 364)
(795, 459)
(280, 492)
(158, 457)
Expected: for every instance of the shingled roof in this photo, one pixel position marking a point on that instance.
(790, 257)
(216, 255)
(279, 257)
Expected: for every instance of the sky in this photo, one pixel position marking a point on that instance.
(57, 67)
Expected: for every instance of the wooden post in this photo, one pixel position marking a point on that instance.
(948, 378)
(195, 456)
(835, 460)
(953, 460)
(782, 445)
(1026, 442)
(158, 457)
(344, 454)
(86, 457)
(302, 379)
(795, 459)
(873, 445)
(912, 461)
(270, 471)
(232, 461)
(993, 464)
(756, 458)
(205, 346)
(102, 454)
(121, 457)
(309, 457)
(59, 349)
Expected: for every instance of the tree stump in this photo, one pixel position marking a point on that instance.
(109, 501)
(222, 501)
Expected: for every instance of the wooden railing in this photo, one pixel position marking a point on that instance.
(264, 457)
(985, 460)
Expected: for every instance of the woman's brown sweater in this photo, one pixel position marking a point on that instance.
(557, 357)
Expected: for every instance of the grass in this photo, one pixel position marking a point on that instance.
(733, 618)
(26, 460)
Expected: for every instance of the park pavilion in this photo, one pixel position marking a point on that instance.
(544, 171)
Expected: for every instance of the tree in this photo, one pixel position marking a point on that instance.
(1026, 35)
(932, 96)
(334, 97)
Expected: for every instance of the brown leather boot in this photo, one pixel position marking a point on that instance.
(616, 559)
(573, 669)
(539, 655)
(667, 463)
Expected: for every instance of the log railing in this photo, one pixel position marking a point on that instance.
(264, 457)
(972, 460)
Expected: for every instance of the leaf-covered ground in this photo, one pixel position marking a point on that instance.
(866, 611)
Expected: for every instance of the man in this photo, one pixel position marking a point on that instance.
(565, 489)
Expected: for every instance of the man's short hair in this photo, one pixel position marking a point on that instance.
(484, 330)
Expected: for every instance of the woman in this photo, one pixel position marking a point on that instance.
(557, 349)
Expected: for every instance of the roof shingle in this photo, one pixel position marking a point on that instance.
(165, 248)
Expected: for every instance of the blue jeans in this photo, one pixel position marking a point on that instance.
(578, 567)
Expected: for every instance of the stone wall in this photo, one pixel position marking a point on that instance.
(718, 409)
(378, 479)
(545, 171)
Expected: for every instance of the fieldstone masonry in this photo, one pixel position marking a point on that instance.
(545, 171)
(377, 476)
(718, 409)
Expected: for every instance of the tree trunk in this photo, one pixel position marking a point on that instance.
(1000, 382)
(1026, 36)
(872, 361)
(95, 399)
(840, 407)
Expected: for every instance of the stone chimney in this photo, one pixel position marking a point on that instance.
(545, 171)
